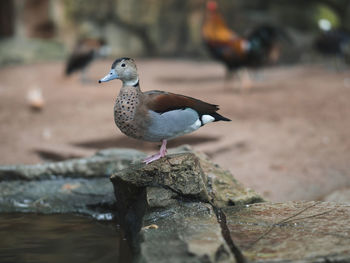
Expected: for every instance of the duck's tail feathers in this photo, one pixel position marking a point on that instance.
(219, 117)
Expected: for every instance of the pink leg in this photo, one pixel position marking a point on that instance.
(157, 156)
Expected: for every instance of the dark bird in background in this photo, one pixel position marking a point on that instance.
(259, 48)
(84, 53)
(334, 43)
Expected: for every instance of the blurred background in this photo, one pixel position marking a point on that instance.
(33, 30)
(289, 135)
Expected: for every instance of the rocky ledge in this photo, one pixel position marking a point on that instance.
(171, 208)
(73, 186)
(182, 208)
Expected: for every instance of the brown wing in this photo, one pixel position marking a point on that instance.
(161, 102)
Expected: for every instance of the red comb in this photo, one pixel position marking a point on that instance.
(212, 5)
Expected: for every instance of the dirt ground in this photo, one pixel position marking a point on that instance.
(288, 139)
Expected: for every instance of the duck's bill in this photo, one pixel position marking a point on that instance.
(111, 75)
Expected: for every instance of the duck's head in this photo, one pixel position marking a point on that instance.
(123, 69)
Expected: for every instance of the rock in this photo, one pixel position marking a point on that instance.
(178, 194)
(74, 186)
(54, 152)
(160, 197)
(341, 195)
(181, 173)
(103, 164)
(187, 232)
(182, 208)
(92, 197)
(173, 201)
(292, 231)
(223, 188)
(188, 174)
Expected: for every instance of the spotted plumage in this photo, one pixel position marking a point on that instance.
(124, 112)
(155, 116)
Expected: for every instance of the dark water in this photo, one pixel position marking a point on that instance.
(60, 238)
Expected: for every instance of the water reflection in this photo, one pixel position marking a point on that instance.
(60, 238)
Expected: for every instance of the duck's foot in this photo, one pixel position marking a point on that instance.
(157, 156)
(152, 158)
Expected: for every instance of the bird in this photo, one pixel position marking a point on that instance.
(85, 51)
(155, 116)
(260, 47)
(334, 43)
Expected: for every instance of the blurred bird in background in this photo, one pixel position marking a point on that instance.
(85, 52)
(333, 43)
(259, 48)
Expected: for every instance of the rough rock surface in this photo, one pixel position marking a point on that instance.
(292, 231)
(189, 230)
(92, 197)
(182, 208)
(341, 196)
(175, 202)
(191, 175)
(73, 186)
(102, 164)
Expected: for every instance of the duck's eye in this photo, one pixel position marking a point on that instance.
(123, 65)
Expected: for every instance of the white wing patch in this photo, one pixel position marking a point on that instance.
(195, 126)
(207, 118)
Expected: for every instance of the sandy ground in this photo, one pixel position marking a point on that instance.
(288, 139)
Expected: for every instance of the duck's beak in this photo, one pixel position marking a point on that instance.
(111, 75)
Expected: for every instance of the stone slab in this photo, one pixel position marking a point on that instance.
(292, 231)
(184, 232)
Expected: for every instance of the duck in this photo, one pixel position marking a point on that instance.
(85, 52)
(155, 116)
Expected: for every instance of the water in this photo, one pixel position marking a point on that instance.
(60, 238)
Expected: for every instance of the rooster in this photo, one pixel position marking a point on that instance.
(85, 51)
(236, 52)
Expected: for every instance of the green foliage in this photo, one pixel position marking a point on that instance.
(324, 12)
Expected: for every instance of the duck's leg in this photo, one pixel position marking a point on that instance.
(162, 153)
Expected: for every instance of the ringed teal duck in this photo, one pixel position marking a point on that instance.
(155, 116)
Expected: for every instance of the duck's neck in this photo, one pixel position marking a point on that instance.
(131, 87)
(133, 82)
